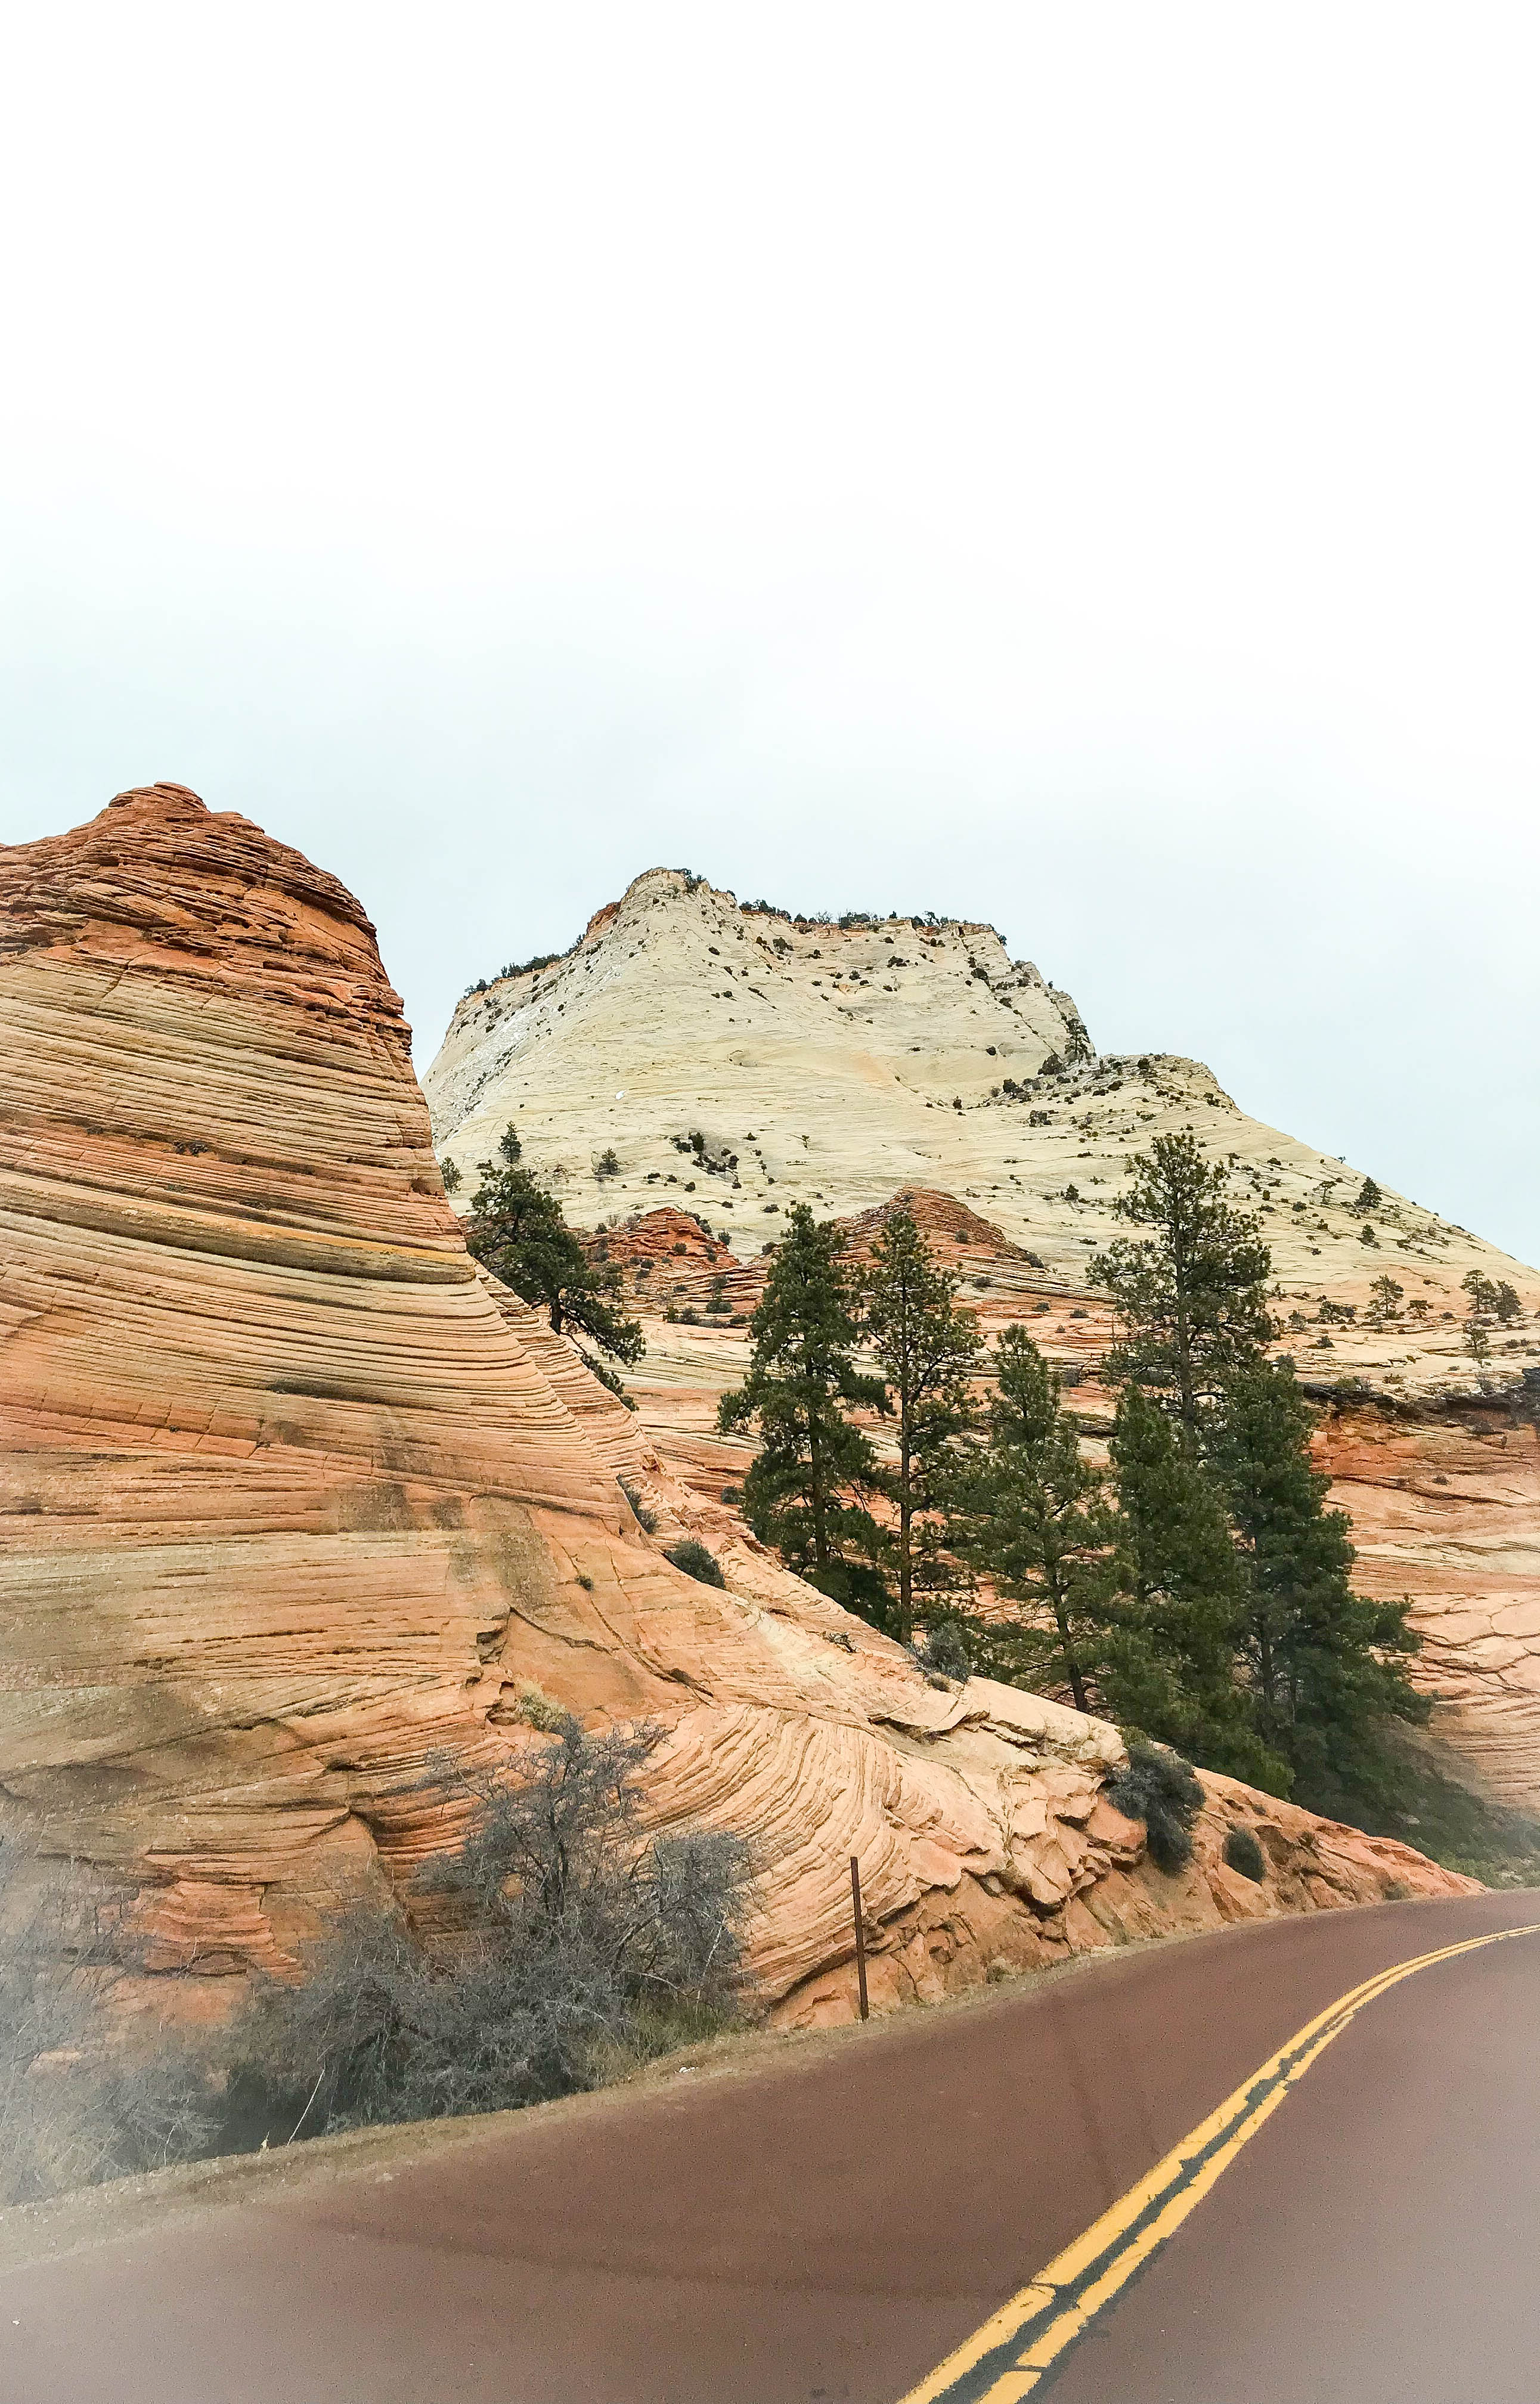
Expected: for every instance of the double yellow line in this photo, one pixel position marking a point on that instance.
(1006, 2359)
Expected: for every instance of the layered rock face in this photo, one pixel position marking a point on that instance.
(736, 1063)
(1445, 1507)
(809, 1063)
(294, 1502)
(276, 1478)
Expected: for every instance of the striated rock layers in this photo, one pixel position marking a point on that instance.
(294, 1502)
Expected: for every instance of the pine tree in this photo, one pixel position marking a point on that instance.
(1192, 1294)
(1173, 1674)
(1385, 1300)
(1483, 1294)
(516, 1230)
(1034, 1518)
(1324, 1665)
(802, 1492)
(928, 1353)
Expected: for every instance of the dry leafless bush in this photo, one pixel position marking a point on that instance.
(81, 2100)
(569, 1946)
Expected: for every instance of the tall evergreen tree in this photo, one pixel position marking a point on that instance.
(928, 1353)
(1324, 1665)
(516, 1230)
(1192, 1294)
(1033, 1517)
(1174, 1675)
(802, 1492)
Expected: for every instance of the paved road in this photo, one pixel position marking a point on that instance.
(832, 2225)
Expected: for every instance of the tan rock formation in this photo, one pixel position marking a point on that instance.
(826, 1064)
(1445, 1507)
(294, 1500)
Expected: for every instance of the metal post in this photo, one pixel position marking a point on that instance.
(860, 1934)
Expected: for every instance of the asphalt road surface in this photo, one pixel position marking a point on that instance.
(830, 2223)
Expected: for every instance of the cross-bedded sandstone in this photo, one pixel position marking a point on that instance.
(294, 1502)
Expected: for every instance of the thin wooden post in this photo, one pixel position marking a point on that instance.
(860, 1934)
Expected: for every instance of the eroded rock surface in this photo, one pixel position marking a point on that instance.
(1445, 1508)
(294, 1500)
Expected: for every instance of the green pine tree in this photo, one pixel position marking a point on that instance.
(1483, 1294)
(1173, 1673)
(1033, 1517)
(1192, 1294)
(928, 1353)
(516, 1230)
(1323, 1664)
(801, 1493)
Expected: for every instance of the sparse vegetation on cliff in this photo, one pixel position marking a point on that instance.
(696, 1561)
(516, 1230)
(1158, 1787)
(1489, 1300)
(1244, 1853)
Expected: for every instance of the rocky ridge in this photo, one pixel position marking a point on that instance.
(296, 1504)
(732, 1077)
(971, 1088)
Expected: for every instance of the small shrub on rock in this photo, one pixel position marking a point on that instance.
(533, 1705)
(946, 1650)
(696, 1561)
(1159, 1788)
(1244, 1853)
(647, 1520)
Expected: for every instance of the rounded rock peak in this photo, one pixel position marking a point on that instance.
(167, 795)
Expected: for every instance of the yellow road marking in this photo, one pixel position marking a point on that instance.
(1002, 2362)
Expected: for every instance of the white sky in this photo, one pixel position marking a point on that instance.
(1075, 468)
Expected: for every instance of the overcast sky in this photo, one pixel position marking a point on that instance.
(1072, 468)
